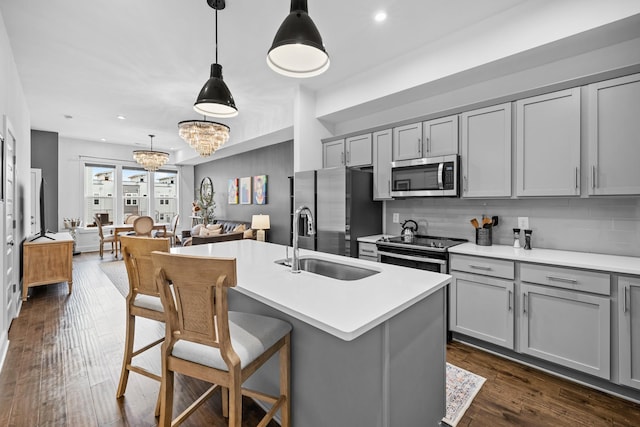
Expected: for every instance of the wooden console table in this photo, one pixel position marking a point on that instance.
(47, 261)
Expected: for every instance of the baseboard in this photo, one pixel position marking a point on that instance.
(4, 348)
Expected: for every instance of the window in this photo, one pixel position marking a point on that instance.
(99, 192)
(165, 195)
(135, 192)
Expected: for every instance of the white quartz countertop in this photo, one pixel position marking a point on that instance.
(374, 238)
(585, 260)
(345, 309)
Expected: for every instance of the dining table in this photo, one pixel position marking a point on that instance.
(127, 228)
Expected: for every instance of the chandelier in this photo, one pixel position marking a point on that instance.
(203, 136)
(149, 159)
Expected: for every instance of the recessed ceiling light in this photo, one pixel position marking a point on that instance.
(380, 16)
(103, 139)
(121, 117)
(68, 116)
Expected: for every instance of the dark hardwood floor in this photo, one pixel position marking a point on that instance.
(65, 354)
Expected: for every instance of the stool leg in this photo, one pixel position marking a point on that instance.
(285, 381)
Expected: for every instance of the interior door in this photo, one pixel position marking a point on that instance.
(11, 287)
(36, 181)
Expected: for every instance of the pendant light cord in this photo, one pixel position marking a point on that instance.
(216, 36)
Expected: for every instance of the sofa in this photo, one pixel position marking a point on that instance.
(221, 230)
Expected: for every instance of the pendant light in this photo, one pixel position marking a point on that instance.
(203, 136)
(297, 49)
(149, 159)
(215, 98)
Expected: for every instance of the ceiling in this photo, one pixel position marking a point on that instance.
(83, 63)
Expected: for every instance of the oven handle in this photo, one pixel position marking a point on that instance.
(413, 258)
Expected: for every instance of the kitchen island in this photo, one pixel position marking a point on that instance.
(367, 352)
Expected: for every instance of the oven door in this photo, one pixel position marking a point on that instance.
(413, 259)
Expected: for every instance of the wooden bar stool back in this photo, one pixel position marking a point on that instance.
(143, 300)
(206, 341)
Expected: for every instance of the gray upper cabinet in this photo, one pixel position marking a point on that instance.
(440, 136)
(333, 153)
(614, 126)
(358, 150)
(486, 152)
(382, 152)
(407, 142)
(629, 330)
(548, 144)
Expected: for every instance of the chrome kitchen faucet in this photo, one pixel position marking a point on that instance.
(311, 230)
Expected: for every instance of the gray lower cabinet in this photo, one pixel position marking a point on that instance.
(629, 330)
(482, 307)
(368, 251)
(569, 328)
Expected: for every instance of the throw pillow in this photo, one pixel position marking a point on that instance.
(195, 231)
(214, 226)
(240, 227)
(248, 234)
(205, 232)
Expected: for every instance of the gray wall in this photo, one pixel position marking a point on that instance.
(44, 155)
(275, 161)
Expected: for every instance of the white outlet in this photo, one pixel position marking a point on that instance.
(523, 222)
(396, 218)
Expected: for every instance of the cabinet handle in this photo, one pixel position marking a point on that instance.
(419, 147)
(524, 303)
(624, 300)
(465, 184)
(368, 251)
(561, 279)
(342, 158)
(509, 295)
(348, 156)
(577, 177)
(593, 176)
(480, 267)
(389, 186)
(428, 145)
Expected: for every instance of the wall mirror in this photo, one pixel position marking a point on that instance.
(206, 191)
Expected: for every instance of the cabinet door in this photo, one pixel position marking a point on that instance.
(333, 154)
(440, 136)
(614, 126)
(486, 152)
(407, 142)
(482, 307)
(629, 330)
(548, 144)
(382, 152)
(358, 150)
(565, 327)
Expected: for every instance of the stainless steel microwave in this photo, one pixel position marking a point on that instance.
(426, 177)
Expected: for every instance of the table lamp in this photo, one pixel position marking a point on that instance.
(260, 223)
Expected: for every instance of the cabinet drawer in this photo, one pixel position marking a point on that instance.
(567, 278)
(369, 250)
(486, 266)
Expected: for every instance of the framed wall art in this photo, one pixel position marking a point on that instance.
(245, 190)
(260, 189)
(233, 191)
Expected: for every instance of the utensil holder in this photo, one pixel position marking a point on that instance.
(484, 236)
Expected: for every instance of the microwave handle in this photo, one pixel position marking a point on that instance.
(440, 179)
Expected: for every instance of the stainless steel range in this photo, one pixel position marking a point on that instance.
(423, 252)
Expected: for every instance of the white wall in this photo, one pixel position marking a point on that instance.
(13, 105)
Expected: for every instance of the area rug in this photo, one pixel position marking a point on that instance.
(117, 273)
(462, 387)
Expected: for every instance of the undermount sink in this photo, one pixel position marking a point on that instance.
(335, 270)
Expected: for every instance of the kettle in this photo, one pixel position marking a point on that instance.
(409, 229)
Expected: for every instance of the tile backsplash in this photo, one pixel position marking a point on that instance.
(599, 225)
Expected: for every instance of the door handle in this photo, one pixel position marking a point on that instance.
(509, 295)
(577, 178)
(428, 145)
(624, 299)
(342, 158)
(419, 147)
(524, 303)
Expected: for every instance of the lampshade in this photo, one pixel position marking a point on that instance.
(149, 159)
(203, 136)
(215, 98)
(260, 223)
(297, 49)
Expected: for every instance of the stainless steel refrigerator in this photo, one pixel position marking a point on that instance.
(341, 200)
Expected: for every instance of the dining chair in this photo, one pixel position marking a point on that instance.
(143, 300)
(143, 226)
(130, 218)
(104, 239)
(205, 340)
(171, 231)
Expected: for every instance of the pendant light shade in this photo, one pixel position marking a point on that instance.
(215, 98)
(297, 49)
